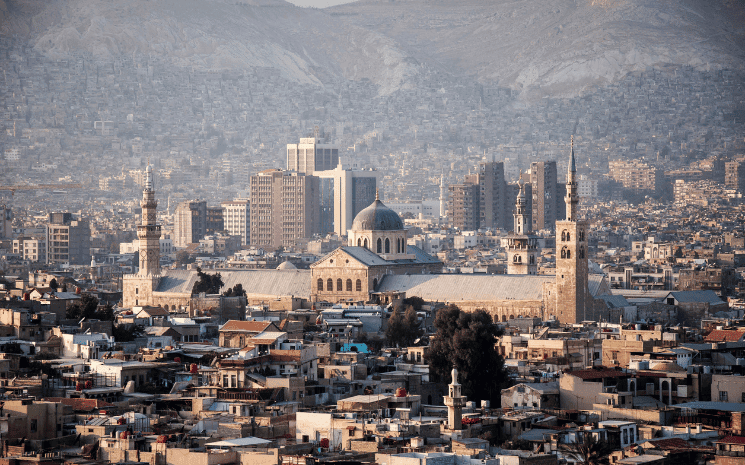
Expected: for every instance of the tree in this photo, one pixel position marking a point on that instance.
(183, 258)
(235, 291)
(207, 283)
(467, 341)
(126, 333)
(588, 449)
(88, 307)
(53, 284)
(402, 328)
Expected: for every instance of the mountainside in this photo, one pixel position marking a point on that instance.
(553, 47)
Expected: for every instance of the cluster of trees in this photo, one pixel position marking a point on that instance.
(403, 326)
(207, 283)
(88, 307)
(467, 341)
(235, 291)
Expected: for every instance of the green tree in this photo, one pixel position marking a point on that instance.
(53, 284)
(235, 291)
(467, 341)
(403, 327)
(183, 258)
(588, 449)
(126, 333)
(86, 307)
(207, 283)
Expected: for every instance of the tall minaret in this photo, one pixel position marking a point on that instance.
(149, 231)
(522, 247)
(572, 297)
(443, 196)
(138, 289)
(455, 403)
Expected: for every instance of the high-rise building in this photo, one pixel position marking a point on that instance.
(33, 249)
(572, 295)
(464, 211)
(734, 175)
(6, 222)
(285, 207)
(311, 155)
(68, 240)
(193, 220)
(343, 194)
(547, 202)
(493, 202)
(137, 289)
(236, 219)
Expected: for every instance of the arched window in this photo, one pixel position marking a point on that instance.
(581, 253)
(387, 245)
(320, 284)
(339, 284)
(366, 243)
(569, 236)
(329, 284)
(380, 245)
(398, 245)
(563, 236)
(349, 285)
(569, 254)
(359, 285)
(359, 242)
(564, 252)
(532, 259)
(514, 258)
(519, 259)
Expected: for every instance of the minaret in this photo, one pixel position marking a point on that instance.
(443, 196)
(522, 247)
(455, 403)
(138, 289)
(572, 298)
(149, 231)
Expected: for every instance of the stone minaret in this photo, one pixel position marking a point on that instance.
(137, 289)
(149, 231)
(572, 299)
(455, 403)
(522, 247)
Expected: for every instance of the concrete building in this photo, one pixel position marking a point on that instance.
(236, 216)
(285, 207)
(344, 193)
(547, 204)
(464, 206)
(33, 249)
(494, 205)
(68, 240)
(311, 155)
(194, 220)
(734, 175)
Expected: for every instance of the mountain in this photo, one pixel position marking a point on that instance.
(556, 47)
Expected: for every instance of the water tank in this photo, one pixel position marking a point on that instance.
(471, 404)
(485, 404)
(707, 370)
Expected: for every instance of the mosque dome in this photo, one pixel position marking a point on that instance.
(377, 217)
(286, 265)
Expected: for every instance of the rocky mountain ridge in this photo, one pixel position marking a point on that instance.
(559, 48)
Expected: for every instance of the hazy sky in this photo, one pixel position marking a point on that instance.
(319, 3)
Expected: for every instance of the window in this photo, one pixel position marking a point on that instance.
(387, 245)
(34, 426)
(338, 284)
(349, 285)
(722, 396)
(320, 284)
(380, 245)
(359, 287)
(329, 284)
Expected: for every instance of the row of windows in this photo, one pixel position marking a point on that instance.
(399, 245)
(339, 285)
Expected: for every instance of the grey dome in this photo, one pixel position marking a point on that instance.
(377, 217)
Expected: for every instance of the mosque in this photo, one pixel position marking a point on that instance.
(378, 264)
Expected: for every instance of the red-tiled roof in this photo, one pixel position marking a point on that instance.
(249, 326)
(725, 335)
(671, 443)
(82, 405)
(598, 374)
(733, 440)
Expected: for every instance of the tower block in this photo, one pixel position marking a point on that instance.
(572, 297)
